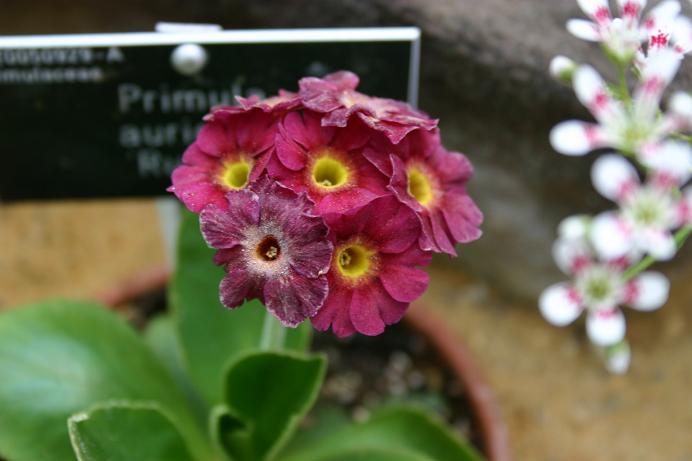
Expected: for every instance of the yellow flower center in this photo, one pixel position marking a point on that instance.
(419, 186)
(235, 173)
(329, 172)
(354, 260)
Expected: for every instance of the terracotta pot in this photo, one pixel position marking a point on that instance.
(451, 349)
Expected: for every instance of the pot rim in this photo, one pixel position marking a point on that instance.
(453, 351)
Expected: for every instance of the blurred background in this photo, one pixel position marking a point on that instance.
(484, 74)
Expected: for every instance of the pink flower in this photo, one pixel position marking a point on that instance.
(432, 182)
(335, 95)
(272, 247)
(374, 274)
(599, 288)
(326, 162)
(231, 151)
(648, 213)
(630, 128)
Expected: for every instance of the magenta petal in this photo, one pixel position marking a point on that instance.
(462, 216)
(303, 129)
(379, 158)
(192, 186)
(345, 201)
(354, 137)
(413, 256)
(193, 155)
(391, 310)
(440, 233)
(335, 313)
(452, 166)
(395, 226)
(312, 259)
(218, 228)
(216, 138)
(404, 283)
(398, 184)
(255, 132)
(223, 228)
(364, 312)
(426, 240)
(235, 288)
(343, 80)
(294, 298)
(230, 258)
(337, 117)
(394, 132)
(290, 154)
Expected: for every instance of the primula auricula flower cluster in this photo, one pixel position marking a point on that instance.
(326, 203)
(605, 255)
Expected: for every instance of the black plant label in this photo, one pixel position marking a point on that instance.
(99, 119)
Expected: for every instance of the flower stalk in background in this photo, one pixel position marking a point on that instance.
(607, 255)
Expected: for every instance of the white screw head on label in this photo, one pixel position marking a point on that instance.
(189, 59)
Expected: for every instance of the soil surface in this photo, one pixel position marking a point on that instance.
(365, 372)
(558, 401)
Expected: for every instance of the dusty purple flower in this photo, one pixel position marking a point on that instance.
(335, 96)
(273, 248)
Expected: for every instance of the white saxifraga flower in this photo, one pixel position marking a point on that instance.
(647, 214)
(665, 28)
(621, 36)
(628, 127)
(599, 288)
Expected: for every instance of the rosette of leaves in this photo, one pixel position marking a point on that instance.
(202, 383)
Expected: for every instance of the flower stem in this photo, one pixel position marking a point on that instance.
(680, 238)
(273, 333)
(624, 90)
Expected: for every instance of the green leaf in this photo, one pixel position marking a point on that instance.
(211, 335)
(400, 428)
(267, 395)
(376, 455)
(161, 336)
(126, 431)
(59, 358)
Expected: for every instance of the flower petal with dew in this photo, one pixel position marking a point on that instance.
(230, 152)
(375, 271)
(647, 213)
(272, 247)
(432, 182)
(335, 96)
(326, 163)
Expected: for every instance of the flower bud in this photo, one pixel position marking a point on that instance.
(562, 68)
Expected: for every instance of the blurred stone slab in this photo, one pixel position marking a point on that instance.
(484, 73)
